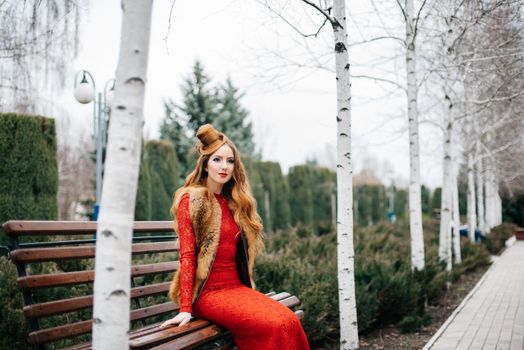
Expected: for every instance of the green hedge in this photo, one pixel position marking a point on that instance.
(495, 241)
(303, 261)
(29, 176)
(28, 189)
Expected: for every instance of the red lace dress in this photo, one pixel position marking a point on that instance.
(255, 320)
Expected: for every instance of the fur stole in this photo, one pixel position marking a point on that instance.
(206, 217)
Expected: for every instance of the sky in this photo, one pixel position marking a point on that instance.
(293, 111)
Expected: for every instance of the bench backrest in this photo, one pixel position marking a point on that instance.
(55, 274)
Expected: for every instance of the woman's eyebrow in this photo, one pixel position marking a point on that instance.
(222, 157)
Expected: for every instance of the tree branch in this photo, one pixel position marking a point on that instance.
(332, 20)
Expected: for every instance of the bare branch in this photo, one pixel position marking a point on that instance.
(498, 99)
(288, 22)
(381, 80)
(331, 19)
(169, 25)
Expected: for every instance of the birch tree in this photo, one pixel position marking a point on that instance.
(114, 231)
(456, 218)
(345, 250)
(471, 196)
(480, 188)
(415, 205)
(495, 74)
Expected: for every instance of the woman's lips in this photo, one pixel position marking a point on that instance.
(222, 174)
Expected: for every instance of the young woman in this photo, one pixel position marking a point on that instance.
(220, 235)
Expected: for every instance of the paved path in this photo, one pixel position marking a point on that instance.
(491, 317)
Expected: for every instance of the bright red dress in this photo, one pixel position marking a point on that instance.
(255, 320)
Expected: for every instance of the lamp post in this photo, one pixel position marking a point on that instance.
(85, 92)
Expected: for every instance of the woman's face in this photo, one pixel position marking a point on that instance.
(220, 166)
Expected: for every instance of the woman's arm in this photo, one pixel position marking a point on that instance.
(187, 255)
(186, 238)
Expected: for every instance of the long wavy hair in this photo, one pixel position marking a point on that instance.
(237, 190)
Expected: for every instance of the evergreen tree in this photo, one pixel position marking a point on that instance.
(300, 194)
(436, 198)
(201, 104)
(257, 187)
(143, 196)
(401, 203)
(274, 186)
(160, 200)
(231, 119)
(163, 167)
(28, 190)
(279, 194)
(173, 129)
(29, 176)
(425, 197)
(324, 184)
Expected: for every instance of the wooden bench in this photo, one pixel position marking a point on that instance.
(56, 272)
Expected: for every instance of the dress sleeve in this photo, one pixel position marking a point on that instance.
(187, 255)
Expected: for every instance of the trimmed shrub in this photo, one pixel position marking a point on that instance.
(29, 176)
(13, 328)
(28, 189)
(495, 241)
(303, 261)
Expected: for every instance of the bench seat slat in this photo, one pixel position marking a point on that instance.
(200, 337)
(84, 252)
(73, 304)
(193, 339)
(15, 228)
(68, 278)
(60, 332)
(174, 332)
(65, 331)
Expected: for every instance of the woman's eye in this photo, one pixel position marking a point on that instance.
(231, 161)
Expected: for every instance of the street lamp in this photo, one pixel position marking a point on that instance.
(85, 93)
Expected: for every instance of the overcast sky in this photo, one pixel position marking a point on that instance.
(294, 111)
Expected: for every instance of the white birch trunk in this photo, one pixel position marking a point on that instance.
(114, 231)
(471, 202)
(445, 207)
(445, 241)
(480, 190)
(345, 251)
(415, 204)
(493, 212)
(499, 210)
(489, 195)
(456, 218)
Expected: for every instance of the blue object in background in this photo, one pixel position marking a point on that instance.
(463, 230)
(391, 216)
(96, 209)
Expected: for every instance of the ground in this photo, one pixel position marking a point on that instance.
(391, 338)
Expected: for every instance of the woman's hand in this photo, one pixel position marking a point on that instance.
(180, 319)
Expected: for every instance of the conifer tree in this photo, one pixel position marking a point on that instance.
(231, 118)
(203, 103)
(143, 195)
(300, 194)
(163, 167)
(279, 194)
